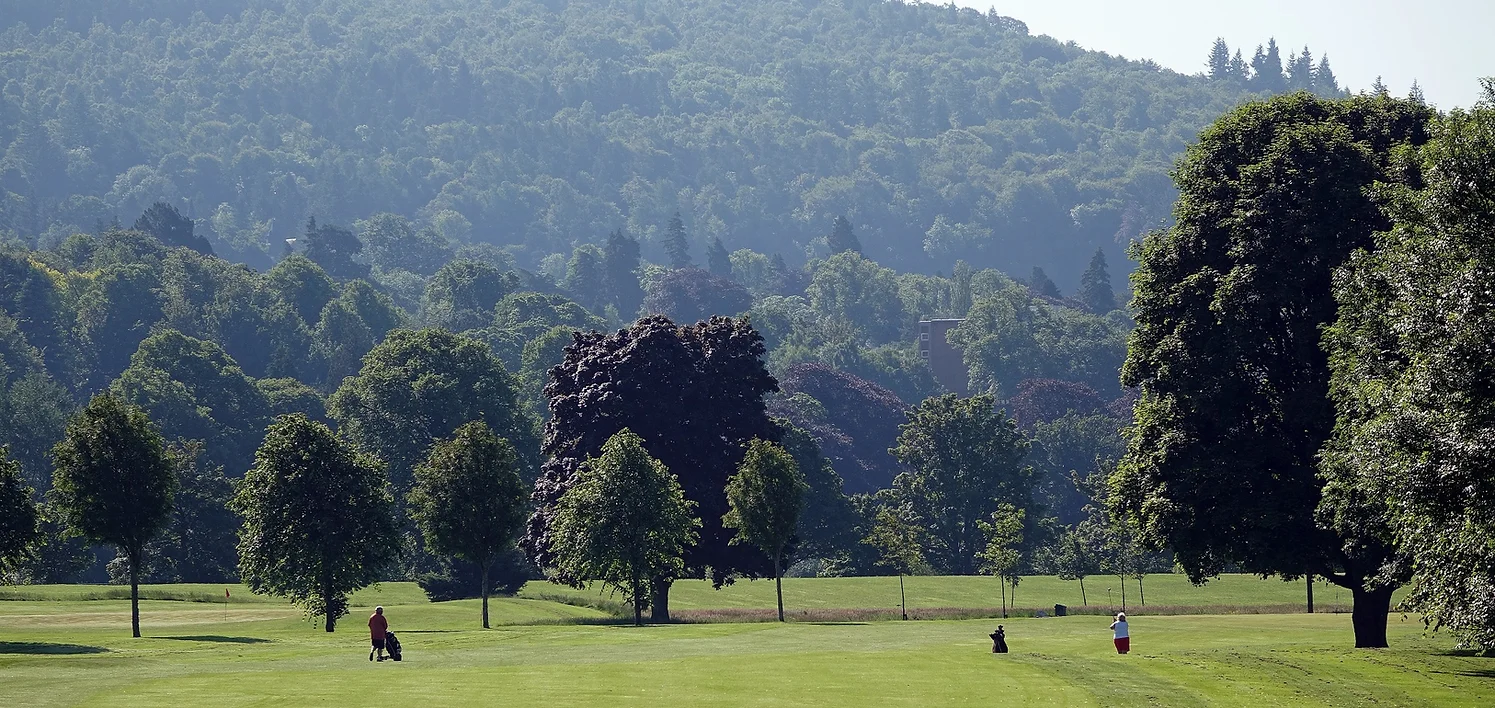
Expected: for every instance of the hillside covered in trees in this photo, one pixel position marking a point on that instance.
(943, 134)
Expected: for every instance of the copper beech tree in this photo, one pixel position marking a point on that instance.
(693, 394)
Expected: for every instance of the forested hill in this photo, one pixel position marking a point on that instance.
(943, 133)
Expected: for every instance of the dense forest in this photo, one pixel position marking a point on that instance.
(398, 219)
(943, 134)
(213, 351)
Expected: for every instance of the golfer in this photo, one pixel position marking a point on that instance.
(1122, 635)
(378, 627)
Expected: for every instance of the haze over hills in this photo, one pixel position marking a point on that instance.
(942, 133)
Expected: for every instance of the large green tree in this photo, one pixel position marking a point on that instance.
(469, 500)
(462, 294)
(318, 519)
(624, 522)
(1410, 355)
(192, 389)
(964, 458)
(860, 294)
(764, 501)
(113, 482)
(1222, 462)
(417, 387)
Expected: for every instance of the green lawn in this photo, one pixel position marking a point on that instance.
(60, 651)
(1168, 594)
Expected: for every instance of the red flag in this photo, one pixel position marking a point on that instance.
(225, 593)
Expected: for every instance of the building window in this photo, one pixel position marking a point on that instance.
(923, 353)
(924, 336)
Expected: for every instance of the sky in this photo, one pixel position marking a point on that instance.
(1445, 45)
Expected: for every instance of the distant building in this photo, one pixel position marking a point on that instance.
(944, 360)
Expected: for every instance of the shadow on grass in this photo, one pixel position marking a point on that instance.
(48, 648)
(219, 639)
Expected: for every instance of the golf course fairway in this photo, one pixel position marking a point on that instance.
(260, 652)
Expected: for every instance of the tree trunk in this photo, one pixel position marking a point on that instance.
(1123, 593)
(1369, 616)
(1001, 581)
(327, 606)
(134, 558)
(1083, 599)
(1140, 594)
(638, 602)
(659, 605)
(778, 586)
(902, 599)
(485, 596)
(1310, 593)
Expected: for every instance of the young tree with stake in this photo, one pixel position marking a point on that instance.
(898, 540)
(469, 500)
(318, 518)
(1003, 552)
(766, 497)
(113, 482)
(1076, 558)
(623, 522)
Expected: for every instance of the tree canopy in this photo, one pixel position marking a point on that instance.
(1230, 304)
(764, 501)
(469, 499)
(624, 522)
(318, 519)
(1410, 360)
(693, 395)
(113, 482)
(924, 125)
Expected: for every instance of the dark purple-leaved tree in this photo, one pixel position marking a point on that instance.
(694, 394)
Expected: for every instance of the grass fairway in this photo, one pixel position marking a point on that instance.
(67, 651)
(819, 597)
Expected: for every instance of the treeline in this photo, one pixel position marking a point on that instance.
(214, 352)
(1313, 352)
(1266, 72)
(942, 133)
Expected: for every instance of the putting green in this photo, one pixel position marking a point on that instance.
(77, 652)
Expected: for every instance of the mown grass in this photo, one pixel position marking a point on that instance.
(947, 597)
(78, 652)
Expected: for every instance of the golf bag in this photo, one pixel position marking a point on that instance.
(392, 645)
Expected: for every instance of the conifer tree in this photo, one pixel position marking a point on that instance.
(1266, 69)
(620, 266)
(1324, 82)
(1300, 71)
(1219, 60)
(676, 244)
(1040, 283)
(842, 238)
(1239, 70)
(717, 259)
(1416, 95)
(1095, 285)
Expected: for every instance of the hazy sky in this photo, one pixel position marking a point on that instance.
(1446, 45)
